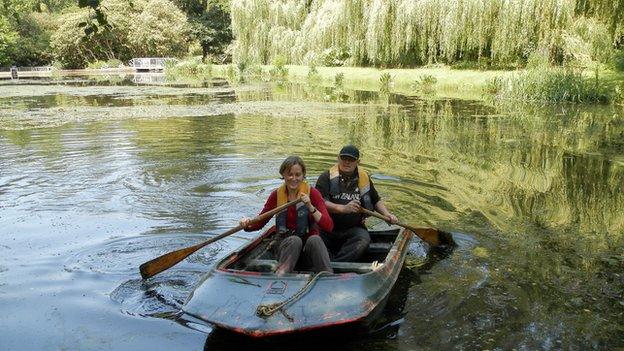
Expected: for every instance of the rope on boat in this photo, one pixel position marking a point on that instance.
(267, 310)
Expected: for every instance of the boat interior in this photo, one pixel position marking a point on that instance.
(261, 257)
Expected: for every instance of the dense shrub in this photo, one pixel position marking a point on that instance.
(8, 38)
(32, 47)
(618, 60)
(137, 29)
(159, 30)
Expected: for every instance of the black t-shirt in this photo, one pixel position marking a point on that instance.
(348, 191)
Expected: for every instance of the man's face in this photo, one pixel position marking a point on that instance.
(347, 164)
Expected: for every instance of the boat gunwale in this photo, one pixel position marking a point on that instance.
(393, 270)
(237, 255)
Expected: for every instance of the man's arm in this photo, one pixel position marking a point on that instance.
(381, 208)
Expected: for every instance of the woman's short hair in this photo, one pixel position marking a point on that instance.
(291, 161)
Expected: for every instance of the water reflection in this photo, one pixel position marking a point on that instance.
(540, 190)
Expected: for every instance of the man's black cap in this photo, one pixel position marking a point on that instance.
(350, 151)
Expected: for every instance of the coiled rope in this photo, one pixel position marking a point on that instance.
(267, 310)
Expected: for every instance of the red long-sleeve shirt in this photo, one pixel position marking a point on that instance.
(326, 224)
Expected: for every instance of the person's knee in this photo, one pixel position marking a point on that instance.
(362, 236)
(314, 242)
(293, 241)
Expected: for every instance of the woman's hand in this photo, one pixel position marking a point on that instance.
(244, 222)
(306, 200)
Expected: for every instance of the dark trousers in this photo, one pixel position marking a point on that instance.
(346, 245)
(315, 255)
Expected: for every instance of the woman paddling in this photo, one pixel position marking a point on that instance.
(298, 227)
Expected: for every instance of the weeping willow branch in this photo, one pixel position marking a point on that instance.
(408, 32)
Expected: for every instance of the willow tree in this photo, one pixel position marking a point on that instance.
(609, 11)
(403, 32)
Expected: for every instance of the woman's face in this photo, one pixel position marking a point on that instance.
(293, 177)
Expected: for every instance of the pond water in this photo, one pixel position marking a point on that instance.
(100, 174)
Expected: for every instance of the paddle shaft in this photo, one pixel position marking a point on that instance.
(168, 260)
(430, 235)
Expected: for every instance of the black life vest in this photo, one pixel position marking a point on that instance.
(363, 186)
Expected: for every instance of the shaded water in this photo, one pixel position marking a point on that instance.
(100, 175)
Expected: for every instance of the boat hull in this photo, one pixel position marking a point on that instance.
(229, 298)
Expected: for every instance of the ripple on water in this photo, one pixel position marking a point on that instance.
(162, 295)
(123, 256)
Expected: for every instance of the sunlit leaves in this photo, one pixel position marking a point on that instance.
(8, 37)
(138, 28)
(407, 32)
(97, 20)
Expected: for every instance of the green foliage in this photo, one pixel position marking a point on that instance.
(212, 29)
(113, 63)
(97, 20)
(137, 29)
(617, 60)
(33, 45)
(608, 12)
(498, 33)
(538, 59)
(192, 68)
(158, 30)
(8, 38)
(15, 9)
(339, 81)
(618, 94)
(493, 86)
(242, 67)
(230, 72)
(74, 49)
(425, 84)
(552, 84)
(588, 40)
(313, 74)
(385, 83)
(279, 70)
(333, 57)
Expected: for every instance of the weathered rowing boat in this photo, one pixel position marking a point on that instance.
(242, 294)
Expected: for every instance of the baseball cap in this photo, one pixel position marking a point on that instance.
(350, 151)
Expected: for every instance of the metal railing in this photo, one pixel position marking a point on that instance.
(149, 63)
(28, 69)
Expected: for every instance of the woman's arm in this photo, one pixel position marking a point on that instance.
(270, 204)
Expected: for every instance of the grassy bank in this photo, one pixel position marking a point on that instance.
(545, 85)
(441, 81)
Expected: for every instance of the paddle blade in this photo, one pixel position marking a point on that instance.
(166, 261)
(434, 237)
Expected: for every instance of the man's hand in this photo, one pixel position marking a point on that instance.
(353, 206)
(391, 219)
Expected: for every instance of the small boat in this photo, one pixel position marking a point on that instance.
(242, 294)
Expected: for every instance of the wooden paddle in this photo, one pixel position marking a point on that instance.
(168, 260)
(433, 237)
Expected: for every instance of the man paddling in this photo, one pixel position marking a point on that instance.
(347, 188)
